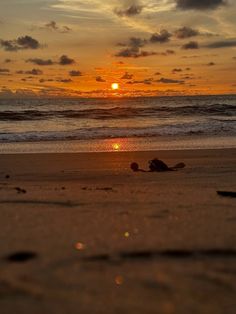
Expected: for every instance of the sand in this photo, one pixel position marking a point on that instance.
(102, 239)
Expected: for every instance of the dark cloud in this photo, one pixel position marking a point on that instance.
(100, 79)
(31, 72)
(75, 73)
(45, 80)
(177, 70)
(39, 61)
(127, 76)
(64, 60)
(191, 45)
(34, 72)
(27, 42)
(4, 70)
(210, 64)
(186, 32)
(9, 45)
(21, 43)
(157, 73)
(7, 60)
(64, 80)
(170, 81)
(162, 37)
(55, 27)
(147, 81)
(222, 44)
(133, 49)
(199, 4)
(136, 42)
(132, 10)
(134, 53)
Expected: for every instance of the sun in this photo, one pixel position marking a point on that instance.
(116, 146)
(115, 86)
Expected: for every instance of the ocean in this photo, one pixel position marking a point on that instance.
(117, 124)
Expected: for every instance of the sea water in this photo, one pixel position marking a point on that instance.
(117, 124)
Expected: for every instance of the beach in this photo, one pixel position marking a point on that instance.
(82, 233)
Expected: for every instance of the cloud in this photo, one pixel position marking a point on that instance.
(100, 79)
(210, 64)
(39, 61)
(75, 73)
(169, 81)
(133, 50)
(64, 80)
(191, 45)
(162, 37)
(130, 11)
(31, 72)
(177, 70)
(4, 70)
(7, 60)
(21, 43)
(186, 32)
(199, 4)
(147, 81)
(55, 27)
(65, 60)
(34, 72)
(134, 42)
(45, 80)
(127, 76)
(134, 53)
(222, 44)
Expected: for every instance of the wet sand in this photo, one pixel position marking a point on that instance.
(81, 233)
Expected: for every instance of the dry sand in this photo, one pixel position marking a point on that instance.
(108, 240)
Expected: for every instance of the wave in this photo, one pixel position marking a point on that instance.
(181, 129)
(121, 112)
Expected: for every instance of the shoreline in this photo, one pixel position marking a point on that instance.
(120, 145)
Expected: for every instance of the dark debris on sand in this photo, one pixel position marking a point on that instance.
(226, 193)
(21, 257)
(20, 190)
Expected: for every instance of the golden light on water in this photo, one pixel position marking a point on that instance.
(115, 86)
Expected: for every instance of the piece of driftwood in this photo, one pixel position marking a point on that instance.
(226, 193)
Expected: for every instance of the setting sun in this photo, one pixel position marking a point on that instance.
(115, 86)
(116, 146)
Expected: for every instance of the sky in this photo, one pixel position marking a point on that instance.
(76, 48)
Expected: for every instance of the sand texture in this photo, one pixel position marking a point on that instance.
(82, 233)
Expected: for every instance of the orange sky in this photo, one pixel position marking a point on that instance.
(79, 48)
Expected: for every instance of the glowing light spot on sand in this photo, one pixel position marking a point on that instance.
(126, 234)
(119, 280)
(80, 246)
(115, 86)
